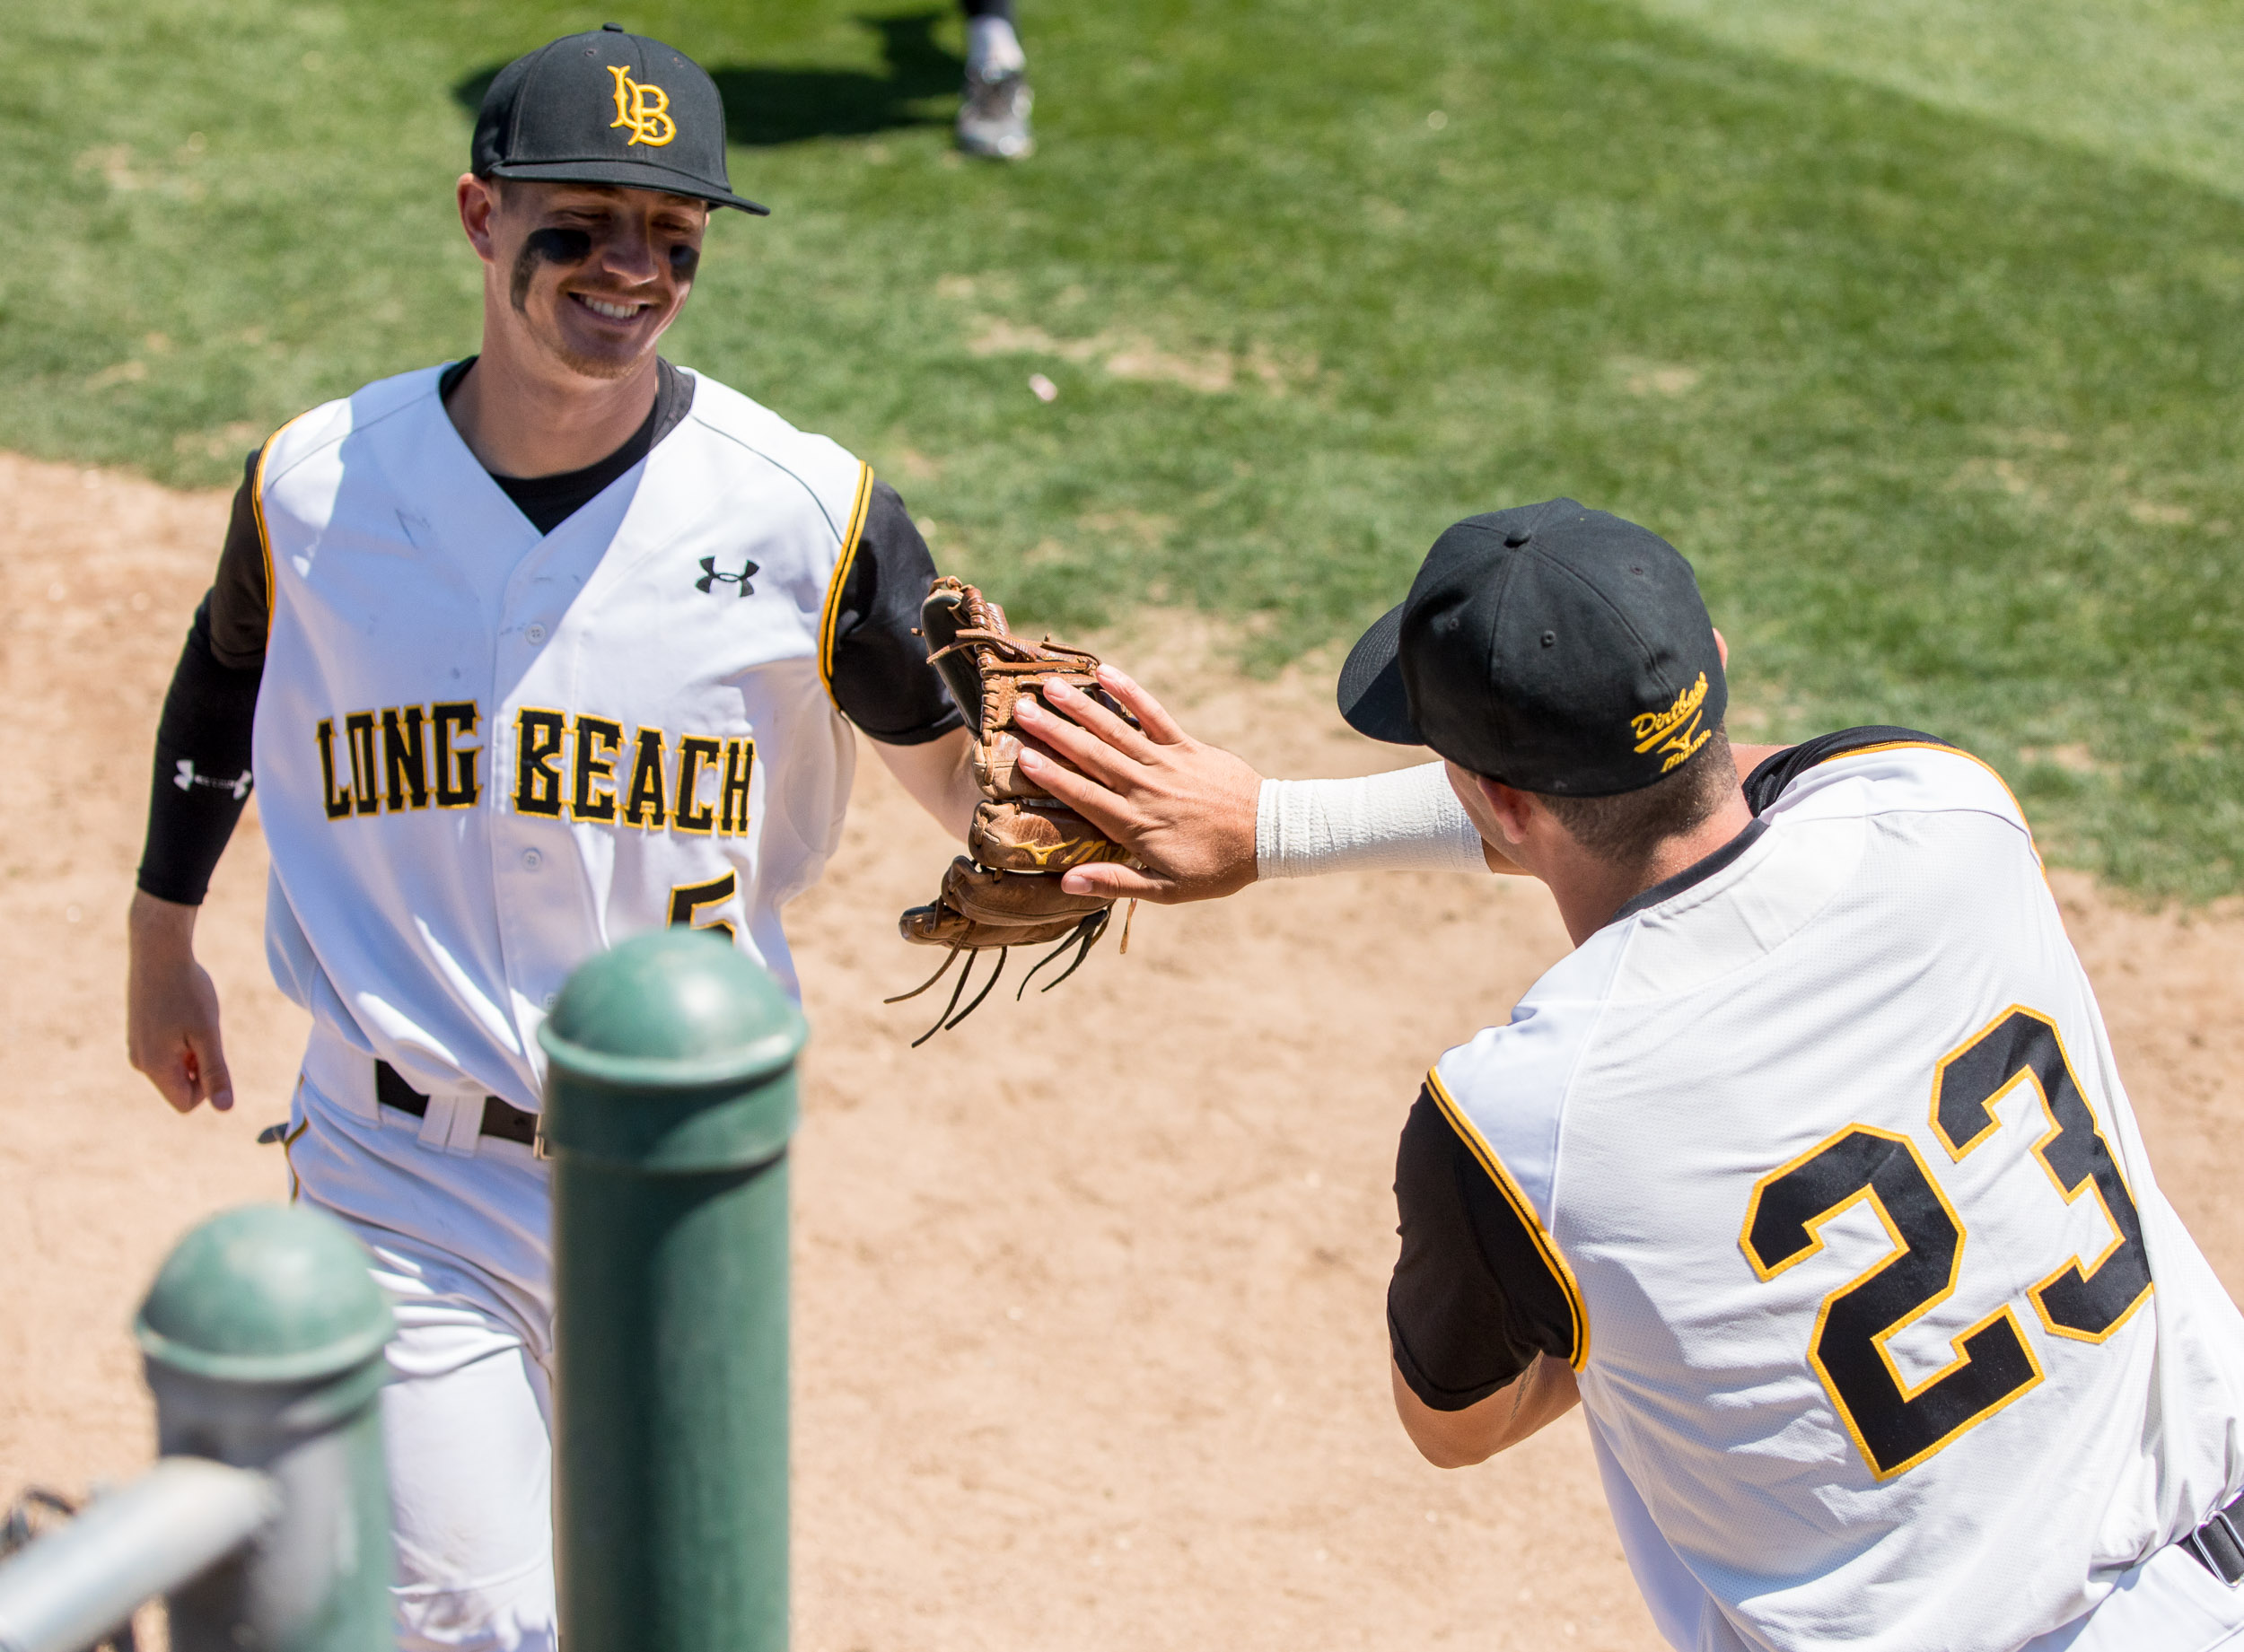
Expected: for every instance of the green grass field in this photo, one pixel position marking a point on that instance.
(1928, 360)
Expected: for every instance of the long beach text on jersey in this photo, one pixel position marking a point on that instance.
(484, 754)
(710, 794)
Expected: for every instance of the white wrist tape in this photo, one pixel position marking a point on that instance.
(1407, 820)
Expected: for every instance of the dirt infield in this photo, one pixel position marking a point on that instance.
(1094, 1360)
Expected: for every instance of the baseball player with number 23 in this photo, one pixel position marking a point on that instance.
(535, 650)
(1809, 1174)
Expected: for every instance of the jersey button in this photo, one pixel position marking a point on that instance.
(533, 860)
(536, 634)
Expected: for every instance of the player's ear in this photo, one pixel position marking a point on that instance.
(1721, 648)
(1509, 807)
(480, 203)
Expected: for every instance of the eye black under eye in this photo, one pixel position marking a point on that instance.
(560, 246)
(684, 261)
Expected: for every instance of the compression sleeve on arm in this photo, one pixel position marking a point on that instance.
(1405, 820)
(202, 772)
(881, 680)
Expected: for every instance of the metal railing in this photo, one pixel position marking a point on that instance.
(669, 1104)
(76, 1585)
(266, 1524)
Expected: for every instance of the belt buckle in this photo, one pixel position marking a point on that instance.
(2237, 1541)
(2204, 1550)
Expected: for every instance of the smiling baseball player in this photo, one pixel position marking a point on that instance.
(527, 653)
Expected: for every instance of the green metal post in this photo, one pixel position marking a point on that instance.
(263, 1339)
(668, 1103)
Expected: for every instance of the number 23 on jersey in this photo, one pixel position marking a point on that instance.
(1896, 1424)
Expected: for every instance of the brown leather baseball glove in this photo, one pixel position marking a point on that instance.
(1006, 890)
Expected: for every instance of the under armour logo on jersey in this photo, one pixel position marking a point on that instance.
(710, 578)
(646, 109)
(186, 779)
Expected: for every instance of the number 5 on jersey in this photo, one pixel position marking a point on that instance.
(1897, 1425)
(688, 899)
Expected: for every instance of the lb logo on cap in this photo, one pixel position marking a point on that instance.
(644, 109)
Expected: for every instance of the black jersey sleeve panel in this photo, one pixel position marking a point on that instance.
(875, 660)
(201, 782)
(1778, 770)
(237, 614)
(1473, 1298)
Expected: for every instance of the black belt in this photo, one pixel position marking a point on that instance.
(2219, 1543)
(502, 1119)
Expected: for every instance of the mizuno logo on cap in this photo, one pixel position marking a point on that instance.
(1675, 730)
(646, 109)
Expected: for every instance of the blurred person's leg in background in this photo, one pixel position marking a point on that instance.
(994, 109)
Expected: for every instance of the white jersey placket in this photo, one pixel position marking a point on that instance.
(548, 913)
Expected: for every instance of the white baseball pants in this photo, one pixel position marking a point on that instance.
(459, 1244)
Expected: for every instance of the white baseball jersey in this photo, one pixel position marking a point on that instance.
(485, 755)
(1885, 1332)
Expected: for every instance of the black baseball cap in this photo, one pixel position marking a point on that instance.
(1552, 647)
(606, 108)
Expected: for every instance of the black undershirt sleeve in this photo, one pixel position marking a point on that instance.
(1472, 1302)
(881, 676)
(201, 782)
(1778, 770)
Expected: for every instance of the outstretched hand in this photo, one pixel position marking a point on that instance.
(1184, 808)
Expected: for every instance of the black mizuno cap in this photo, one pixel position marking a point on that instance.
(606, 108)
(1551, 647)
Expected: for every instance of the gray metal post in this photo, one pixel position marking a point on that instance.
(263, 1336)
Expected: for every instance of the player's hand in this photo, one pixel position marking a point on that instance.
(171, 1008)
(1183, 808)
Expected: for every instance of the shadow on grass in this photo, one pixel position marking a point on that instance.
(764, 107)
